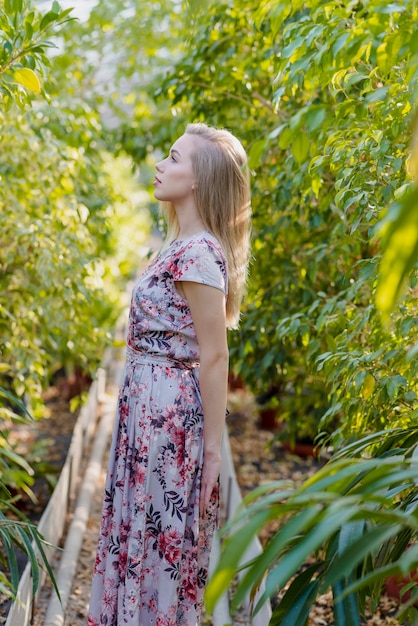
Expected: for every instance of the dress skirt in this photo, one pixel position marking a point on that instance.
(153, 551)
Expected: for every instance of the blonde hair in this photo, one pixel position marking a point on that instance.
(222, 197)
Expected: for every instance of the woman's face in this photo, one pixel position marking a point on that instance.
(174, 180)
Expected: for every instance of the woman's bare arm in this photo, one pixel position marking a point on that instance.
(207, 307)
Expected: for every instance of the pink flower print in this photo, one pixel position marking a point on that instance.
(165, 620)
(123, 412)
(132, 599)
(140, 474)
(173, 554)
(109, 601)
(123, 442)
(190, 592)
(137, 472)
(188, 394)
(169, 545)
(172, 418)
(125, 528)
(123, 561)
(177, 435)
(98, 562)
(173, 269)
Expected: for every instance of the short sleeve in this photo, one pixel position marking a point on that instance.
(202, 261)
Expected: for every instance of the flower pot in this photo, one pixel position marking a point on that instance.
(395, 584)
(304, 450)
(235, 382)
(268, 418)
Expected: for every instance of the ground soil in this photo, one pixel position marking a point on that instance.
(257, 459)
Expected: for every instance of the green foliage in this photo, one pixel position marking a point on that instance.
(348, 528)
(21, 534)
(53, 209)
(23, 51)
(321, 94)
(63, 200)
(16, 531)
(60, 219)
(15, 471)
(114, 60)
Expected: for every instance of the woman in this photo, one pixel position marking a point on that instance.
(161, 497)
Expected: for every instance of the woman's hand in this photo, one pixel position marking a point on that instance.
(210, 475)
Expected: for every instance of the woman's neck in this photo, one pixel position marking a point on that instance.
(189, 225)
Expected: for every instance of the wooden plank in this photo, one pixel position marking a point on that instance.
(90, 414)
(20, 612)
(75, 454)
(52, 522)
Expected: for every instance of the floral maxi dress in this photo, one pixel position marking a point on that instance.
(153, 551)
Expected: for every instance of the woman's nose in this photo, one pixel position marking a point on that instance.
(158, 166)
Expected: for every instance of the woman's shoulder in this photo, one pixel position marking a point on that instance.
(201, 242)
(199, 258)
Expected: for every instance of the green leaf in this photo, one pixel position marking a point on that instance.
(28, 79)
(231, 557)
(346, 610)
(300, 146)
(16, 401)
(400, 250)
(390, 8)
(356, 550)
(11, 557)
(28, 30)
(273, 551)
(300, 609)
(26, 540)
(256, 153)
(340, 42)
(295, 557)
(8, 48)
(18, 459)
(296, 43)
(48, 19)
(299, 594)
(39, 541)
(315, 117)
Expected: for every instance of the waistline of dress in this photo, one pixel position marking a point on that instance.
(147, 358)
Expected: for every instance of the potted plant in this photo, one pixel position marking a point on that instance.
(268, 404)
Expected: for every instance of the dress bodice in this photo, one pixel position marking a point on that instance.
(160, 322)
